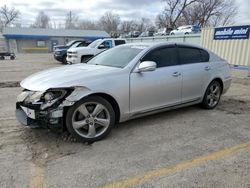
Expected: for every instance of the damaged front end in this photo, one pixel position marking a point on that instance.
(43, 109)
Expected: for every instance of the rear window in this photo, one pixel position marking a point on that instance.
(204, 56)
(213, 57)
(119, 42)
(189, 55)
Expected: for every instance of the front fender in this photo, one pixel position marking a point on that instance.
(78, 94)
(81, 92)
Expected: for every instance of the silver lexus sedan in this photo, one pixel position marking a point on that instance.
(122, 83)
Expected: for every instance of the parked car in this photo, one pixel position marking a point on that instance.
(185, 30)
(147, 34)
(70, 43)
(122, 83)
(163, 31)
(83, 54)
(60, 51)
(11, 55)
(134, 34)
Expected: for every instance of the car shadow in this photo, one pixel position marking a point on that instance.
(47, 145)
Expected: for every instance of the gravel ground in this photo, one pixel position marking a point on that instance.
(42, 158)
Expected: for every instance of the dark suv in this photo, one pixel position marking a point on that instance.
(60, 51)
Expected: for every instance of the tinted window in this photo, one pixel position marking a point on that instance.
(204, 56)
(192, 55)
(119, 42)
(163, 56)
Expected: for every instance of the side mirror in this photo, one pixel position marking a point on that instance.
(147, 66)
(101, 46)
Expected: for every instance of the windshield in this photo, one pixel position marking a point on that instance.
(70, 43)
(75, 45)
(95, 43)
(117, 57)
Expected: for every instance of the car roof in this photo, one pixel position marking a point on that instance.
(112, 38)
(159, 44)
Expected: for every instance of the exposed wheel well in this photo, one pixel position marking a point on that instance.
(109, 98)
(220, 81)
(112, 101)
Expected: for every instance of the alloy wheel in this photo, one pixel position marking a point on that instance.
(91, 119)
(213, 95)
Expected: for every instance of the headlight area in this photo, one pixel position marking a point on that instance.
(42, 109)
(52, 97)
(72, 54)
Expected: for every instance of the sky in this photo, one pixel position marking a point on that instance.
(93, 9)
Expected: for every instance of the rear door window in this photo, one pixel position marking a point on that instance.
(189, 55)
(119, 42)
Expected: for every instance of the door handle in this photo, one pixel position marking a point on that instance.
(207, 68)
(176, 74)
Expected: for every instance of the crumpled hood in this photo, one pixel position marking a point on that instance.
(66, 76)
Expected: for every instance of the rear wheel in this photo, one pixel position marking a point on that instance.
(212, 95)
(90, 119)
(12, 57)
(2, 57)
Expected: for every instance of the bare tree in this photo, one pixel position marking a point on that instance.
(174, 10)
(210, 13)
(71, 21)
(161, 21)
(144, 24)
(42, 21)
(8, 16)
(127, 26)
(226, 14)
(109, 22)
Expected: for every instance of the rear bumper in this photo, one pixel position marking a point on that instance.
(33, 118)
(226, 84)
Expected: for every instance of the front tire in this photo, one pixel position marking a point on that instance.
(90, 119)
(212, 96)
(64, 60)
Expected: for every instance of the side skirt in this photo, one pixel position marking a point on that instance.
(165, 108)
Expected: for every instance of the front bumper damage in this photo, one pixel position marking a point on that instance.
(33, 117)
(32, 111)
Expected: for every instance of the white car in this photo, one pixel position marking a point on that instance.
(83, 54)
(185, 30)
(161, 32)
